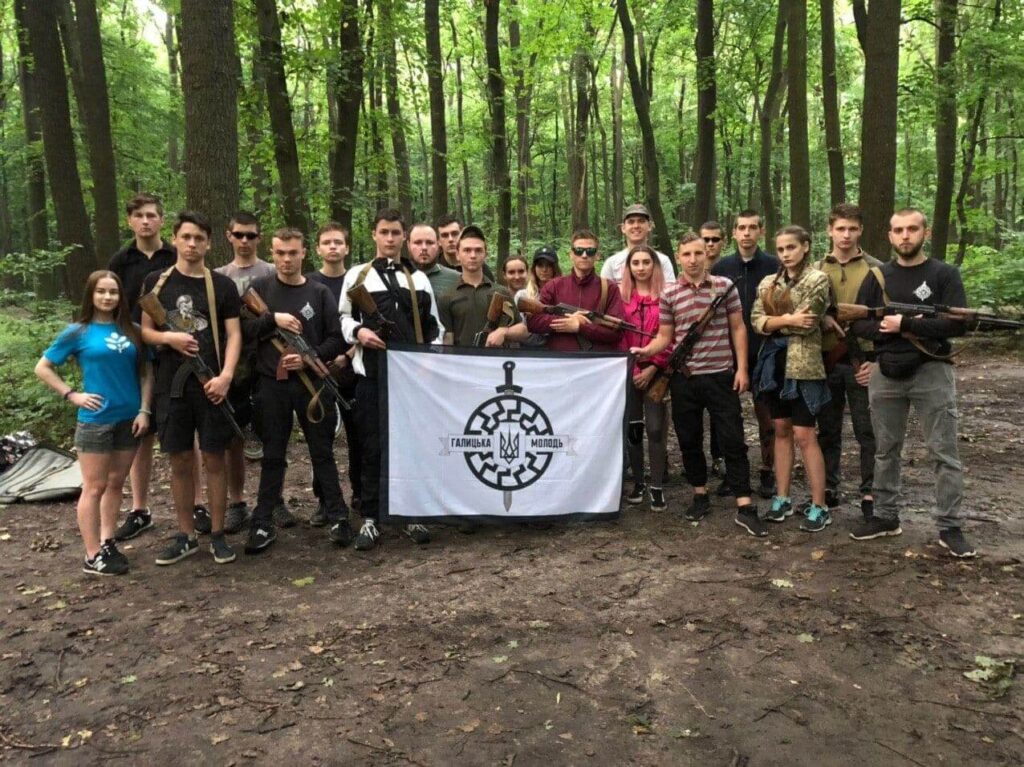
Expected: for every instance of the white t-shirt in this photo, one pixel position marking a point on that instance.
(614, 264)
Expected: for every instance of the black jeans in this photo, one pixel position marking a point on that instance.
(367, 417)
(348, 421)
(712, 392)
(281, 401)
(830, 427)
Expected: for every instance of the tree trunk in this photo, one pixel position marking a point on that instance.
(521, 94)
(438, 127)
(499, 140)
(59, 144)
(769, 114)
(799, 155)
(707, 97)
(6, 235)
(36, 220)
(174, 89)
(259, 174)
(617, 157)
(466, 206)
(830, 100)
(641, 103)
(279, 107)
(424, 187)
(945, 123)
(399, 146)
(878, 128)
(579, 210)
(346, 82)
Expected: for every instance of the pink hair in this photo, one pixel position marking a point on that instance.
(627, 285)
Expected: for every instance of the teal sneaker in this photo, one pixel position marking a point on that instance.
(816, 519)
(780, 509)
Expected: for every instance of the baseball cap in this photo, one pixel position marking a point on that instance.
(545, 253)
(636, 209)
(472, 230)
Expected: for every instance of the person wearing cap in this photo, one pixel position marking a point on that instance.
(544, 269)
(583, 288)
(448, 230)
(423, 252)
(636, 228)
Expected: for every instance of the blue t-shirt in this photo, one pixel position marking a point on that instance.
(108, 362)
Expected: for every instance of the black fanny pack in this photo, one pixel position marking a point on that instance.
(900, 364)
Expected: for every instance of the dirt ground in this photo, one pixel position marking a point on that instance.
(648, 641)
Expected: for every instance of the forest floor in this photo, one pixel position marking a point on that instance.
(646, 641)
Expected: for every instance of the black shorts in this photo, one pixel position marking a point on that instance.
(794, 410)
(179, 419)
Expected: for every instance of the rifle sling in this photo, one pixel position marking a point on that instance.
(315, 411)
(416, 322)
(210, 301)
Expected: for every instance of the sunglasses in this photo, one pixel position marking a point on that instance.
(245, 235)
(588, 252)
(712, 240)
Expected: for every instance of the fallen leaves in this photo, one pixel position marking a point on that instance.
(307, 581)
(995, 676)
(782, 583)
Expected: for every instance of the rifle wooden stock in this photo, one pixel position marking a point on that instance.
(975, 319)
(850, 312)
(658, 388)
(363, 301)
(151, 305)
(495, 309)
(530, 305)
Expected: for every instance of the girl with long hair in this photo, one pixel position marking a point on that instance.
(113, 409)
(790, 374)
(544, 269)
(516, 273)
(641, 286)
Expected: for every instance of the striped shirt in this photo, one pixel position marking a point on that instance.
(682, 304)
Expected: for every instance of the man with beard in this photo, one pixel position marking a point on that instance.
(423, 252)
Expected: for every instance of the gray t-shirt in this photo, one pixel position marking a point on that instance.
(243, 276)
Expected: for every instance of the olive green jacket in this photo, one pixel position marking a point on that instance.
(803, 356)
(846, 279)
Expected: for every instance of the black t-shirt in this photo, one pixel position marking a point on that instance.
(312, 304)
(132, 266)
(184, 298)
(931, 282)
(333, 284)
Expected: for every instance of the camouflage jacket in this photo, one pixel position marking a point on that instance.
(811, 291)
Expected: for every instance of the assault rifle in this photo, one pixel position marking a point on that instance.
(532, 306)
(976, 320)
(194, 365)
(677, 360)
(495, 310)
(372, 318)
(288, 342)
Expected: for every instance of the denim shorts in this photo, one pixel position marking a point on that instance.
(105, 437)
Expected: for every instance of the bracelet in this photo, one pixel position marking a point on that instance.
(145, 411)
(67, 394)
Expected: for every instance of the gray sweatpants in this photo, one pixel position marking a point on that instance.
(932, 392)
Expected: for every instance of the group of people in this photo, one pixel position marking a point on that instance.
(217, 381)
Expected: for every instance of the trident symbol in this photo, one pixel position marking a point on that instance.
(509, 447)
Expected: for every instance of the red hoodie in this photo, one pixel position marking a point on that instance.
(586, 294)
(643, 311)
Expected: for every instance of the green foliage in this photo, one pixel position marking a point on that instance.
(25, 401)
(25, 268)
(995, 277)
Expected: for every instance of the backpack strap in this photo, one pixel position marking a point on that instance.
(211, 303)
(602, 303)
(877, 271)
(417, 323)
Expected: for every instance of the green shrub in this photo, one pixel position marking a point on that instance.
(995, 278)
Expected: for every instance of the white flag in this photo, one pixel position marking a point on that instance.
(506, 434)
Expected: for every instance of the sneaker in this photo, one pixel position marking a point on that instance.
(252, 448)
(746, 517)
(699, 508)
(201, 519)
(102, 564)
(718, 468)
(319, 517)
(111, 554)
(283, 517)
(723, 490)
(658, 499)
(867, 508)
(368, 535)
(236, 517)
(222, 553)
(832, 500)
(816, 519)
(340, 533)
(779, 510)
(952, 539)
(766, 488)
(181, 546)
(418, 533)
(638, 494)
(137, 521)
(876, 527)
(261, 536)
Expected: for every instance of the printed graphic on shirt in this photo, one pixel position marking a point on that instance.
(185, 317)
(307, 311)
(922, 291)
(117, 342)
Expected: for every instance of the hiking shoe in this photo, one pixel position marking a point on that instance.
(723, 490)
(952, 539)
(252, 447)
(418, 533)
(283, 517)
(261, 536)
(816, 519)
(236, 517)
(779, 510)
(699, 508)
(867, 508)
(319, 517)
(832, 500)
(340, 533)
(638, 494)
(368, 535)
(181, 546)
(111, 554)
(201, 519)
(102, 564)
(658, 499)
(137, 521)
(746, 517)
(876, 527)
(718, 468)
(766, 487)
(222, 553)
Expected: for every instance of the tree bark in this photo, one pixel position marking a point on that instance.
(399, 146)
(830, 99)
(945, 123)
(209, 81)
(769, 114)
(36, 220)
(59, 144)
(799, 154)
(617, 155)
(579, 210)
(174, 90)
(466, 206)
(346, 83)
(499, 140)
(641, 103)
(521, 93)
(707, 98)
(878, 128)
(279, 107)
(6, 235)
(438, 127)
